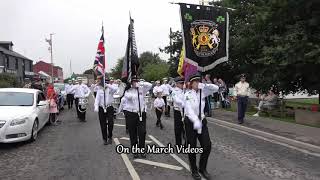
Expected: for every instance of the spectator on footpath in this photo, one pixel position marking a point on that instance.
(208, 99)
(242, 93)
(215, 95)
(53, 106)
(223, 91)
(268, 101)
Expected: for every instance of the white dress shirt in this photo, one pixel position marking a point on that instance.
(81, 91)
(157, 89)
(123, 105)
(166, 89)
(131, 95)
(178, 98)
(108, 94)
(68, 89)
(242, 89)
(192, 102)
(159, 103)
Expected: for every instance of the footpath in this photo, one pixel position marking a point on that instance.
(296, 135)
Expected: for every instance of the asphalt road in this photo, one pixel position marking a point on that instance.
(74, 150)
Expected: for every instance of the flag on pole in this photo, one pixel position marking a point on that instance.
(131, 61)
(205, 35)
(99, 62)
(185, 69)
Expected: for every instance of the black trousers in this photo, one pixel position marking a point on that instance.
(137, 128)
(178, 127)
(125, 112)
(167, 107)
(242, 107)
(159, 114)
(80, 115)
(70, 98)
(104, 117)
(207, 106)
(205, 143)
(95, 94)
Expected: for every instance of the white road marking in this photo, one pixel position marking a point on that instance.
(120, 125)
(184, 164)
(127, 162)
(269, 140)
(125, 138)
(163, 165)
(120, 118)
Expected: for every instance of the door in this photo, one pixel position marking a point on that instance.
(43, 110)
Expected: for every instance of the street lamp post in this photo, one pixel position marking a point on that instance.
(51, 57)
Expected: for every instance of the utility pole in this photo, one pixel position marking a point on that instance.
(70, 69)
(49, 41)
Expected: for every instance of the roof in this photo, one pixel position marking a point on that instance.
(6, 42)
(12, 53)
(26, 90)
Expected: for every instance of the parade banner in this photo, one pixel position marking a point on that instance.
(131, 61)
(205, 34)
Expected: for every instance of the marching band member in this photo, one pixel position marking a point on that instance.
(166, 92)
(70, 95)
(81, 91)
(196, 123)
(157, 88)
(123, 108)
(103, 105)
(178, 104)
(136, 118)
(159, 106)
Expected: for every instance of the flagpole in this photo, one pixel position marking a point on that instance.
(104, 73)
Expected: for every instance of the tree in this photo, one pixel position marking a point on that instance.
(89, 71)
(174, 49)
(153, 72)
(117, 70)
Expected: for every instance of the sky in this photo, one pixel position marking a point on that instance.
(76, 25)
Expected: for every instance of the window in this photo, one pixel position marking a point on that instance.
(16, 99)
(41, 97)
(17, 64)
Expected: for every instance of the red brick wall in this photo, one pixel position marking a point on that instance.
(46, 67)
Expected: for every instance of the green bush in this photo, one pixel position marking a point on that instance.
(8, 80)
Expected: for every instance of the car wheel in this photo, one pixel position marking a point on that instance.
(34, 132)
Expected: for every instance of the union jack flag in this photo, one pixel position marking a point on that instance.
(99, 62)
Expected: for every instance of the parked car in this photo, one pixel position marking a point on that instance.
(60, 90)
(23, 112)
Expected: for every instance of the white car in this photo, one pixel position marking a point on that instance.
(23, 112)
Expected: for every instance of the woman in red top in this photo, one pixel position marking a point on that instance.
(52, 97)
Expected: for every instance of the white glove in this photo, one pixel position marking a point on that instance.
(96, 109)
(201, 86)
(197, 125)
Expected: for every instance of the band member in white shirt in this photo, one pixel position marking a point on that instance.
(159, 106)
(178, 106)
(81, 91)
(157, 88)
(136, 115)
(166, 92)
(123, 108)
(103, 105)
(70, 95)
(196, 124)
(242, 92)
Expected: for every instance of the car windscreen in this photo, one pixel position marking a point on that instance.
(16, 99)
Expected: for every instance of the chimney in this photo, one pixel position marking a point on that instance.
(7, 45)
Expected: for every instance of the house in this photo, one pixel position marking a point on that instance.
(14, 63)
(47, 68)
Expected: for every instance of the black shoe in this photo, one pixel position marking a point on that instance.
(109, 141)
(105, 142)
(158, 124)
(143, 156)
(161, 126)
(135, 156)
(240, 122)
(205, 174)
(196, 176)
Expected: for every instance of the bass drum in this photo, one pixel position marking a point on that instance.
(83, 104)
